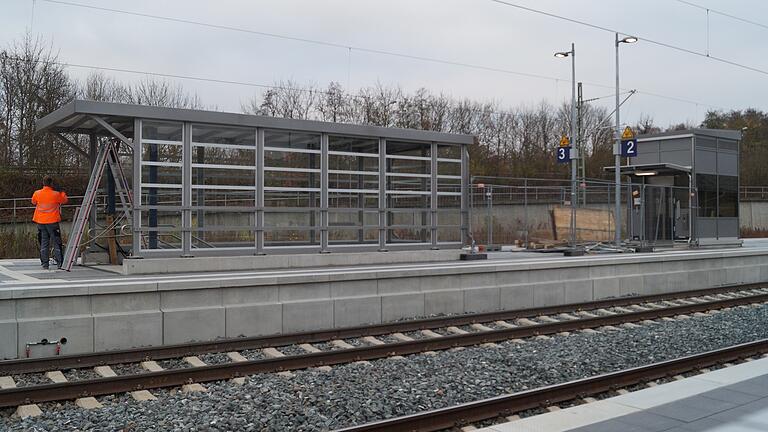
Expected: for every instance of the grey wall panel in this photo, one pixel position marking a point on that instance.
(728, 164)
(728, 227)
(706, 161)
(647, 153)
(706, 227)
(679, 157)
(676, 144)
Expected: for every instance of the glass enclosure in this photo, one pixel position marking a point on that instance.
(209, 187)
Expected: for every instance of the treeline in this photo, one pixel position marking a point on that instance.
(515, 142)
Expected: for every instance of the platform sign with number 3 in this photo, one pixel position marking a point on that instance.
(563, 154)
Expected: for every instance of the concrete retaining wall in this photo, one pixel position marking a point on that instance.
(127, 313)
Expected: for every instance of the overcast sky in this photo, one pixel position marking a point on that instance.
(469, 31)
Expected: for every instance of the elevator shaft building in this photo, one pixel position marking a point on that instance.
(214, 183)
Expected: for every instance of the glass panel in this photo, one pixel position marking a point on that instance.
(408, 218)
(351, 236)
(352, 181)
(161, 152)
(218, 218)
(223, 198)
(352, 219)
(291, 179)
(408, 183)
(707, 187)
(401, 148)
(210, 239)
(291, 160)
(291, 199)
(292, 140)
(408, 166)
(408, 201)
(729, 196)
(223, 156)
(449, 168)
(447, 217)
(162, 197)
(448, 234)
(223, 177)
(164, 219)
(408, 235)
(161, 174)
(449, 152)
(279, 219)
(352, 200)
(449, 201)
(352, 163)
(291, 238)
(353, 144)
(223, 135)
(448, 185)
(165, 131)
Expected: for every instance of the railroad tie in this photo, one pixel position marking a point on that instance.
(513, 418)
(372, 340)
(622, 391)
(587, 314)
(341, 344)
(193, 388)
(105, 371)
(431, 334)
(553, 408)
(401, 337)
(526, 322)
(56, 376)
(84, 402)
(589, 399)
(639, 308)
(309, 348)
(480, 327)
(589, 331)
(547, 319)
(468, 428)
(142, 396)
(22, 411)
(456, 330)
(151, 366)
(272, 352)
(682, 317)
(623, 309)
(504, 324)
(568, 317)
(630, 325)
(194, 361)
(236, 357)
(606, 312)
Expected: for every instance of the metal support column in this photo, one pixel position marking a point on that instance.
(137, 196)
(433, 196)
(92, 151)
(382, 195)
(324, 194)
(617, 159)
(260, 192)
(186, 191)
(574, 147)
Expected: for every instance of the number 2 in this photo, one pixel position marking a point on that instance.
(631, 147)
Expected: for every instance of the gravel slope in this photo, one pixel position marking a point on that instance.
(314, 400)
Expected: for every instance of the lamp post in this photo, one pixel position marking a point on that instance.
(574, 152)
(617, 145)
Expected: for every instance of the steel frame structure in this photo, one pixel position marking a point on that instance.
(263, 159)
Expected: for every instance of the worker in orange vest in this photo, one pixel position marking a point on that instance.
(47, 216)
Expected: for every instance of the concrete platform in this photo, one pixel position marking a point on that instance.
(726, 400)
(97, 310)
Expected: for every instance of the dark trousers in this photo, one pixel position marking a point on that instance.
(49, 233)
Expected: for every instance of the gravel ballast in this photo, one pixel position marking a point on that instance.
(313, 400)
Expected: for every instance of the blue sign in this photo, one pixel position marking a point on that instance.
(629, 148)
(563, 154)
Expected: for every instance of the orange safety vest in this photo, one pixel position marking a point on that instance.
(48, 205)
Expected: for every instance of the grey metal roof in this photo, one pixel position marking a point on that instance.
(662, 168)
(717, 133)
(74, 117)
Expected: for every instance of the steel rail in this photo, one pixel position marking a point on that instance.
(19, 366)
(449, 417)
(177, 377)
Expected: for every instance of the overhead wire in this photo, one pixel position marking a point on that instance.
(644, 39)
(347, 47)
(725, 14)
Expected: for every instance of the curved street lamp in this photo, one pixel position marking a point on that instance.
(617, 146)
(574, 153)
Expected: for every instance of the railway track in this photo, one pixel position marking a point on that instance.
(402, 338)
(500, 406)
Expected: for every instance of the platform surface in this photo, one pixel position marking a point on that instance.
(27, 273)
(732, 399)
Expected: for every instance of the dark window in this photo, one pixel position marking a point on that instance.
(707, 188)
(292, 140)
(729, 196)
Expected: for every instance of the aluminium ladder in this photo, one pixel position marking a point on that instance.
(107, 155)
